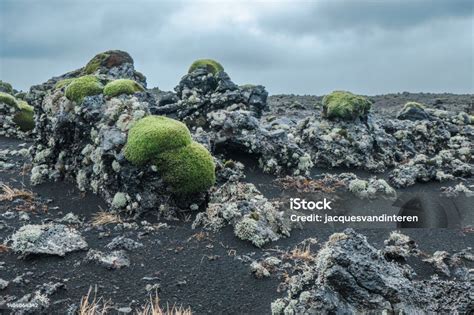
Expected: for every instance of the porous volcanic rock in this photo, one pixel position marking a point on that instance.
(350, 276)
(48, 239)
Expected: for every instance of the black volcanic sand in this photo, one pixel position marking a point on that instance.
(210, 275)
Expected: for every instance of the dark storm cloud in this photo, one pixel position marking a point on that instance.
(289, 46)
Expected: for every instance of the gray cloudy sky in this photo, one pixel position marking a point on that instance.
(301, 47)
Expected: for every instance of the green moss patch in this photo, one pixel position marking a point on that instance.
(6, 87)
(345, 105)
(187, 170)
(25, 117)
(186, 166)
(8, 99)
(83, 86)
(107, 59)
(63, 83)
(122, 86)
(209, 64)
(153, 135)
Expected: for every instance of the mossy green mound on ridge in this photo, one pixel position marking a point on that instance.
(6, 87)
(153, 135)
(189, 169)
(83, 86)
(8, 99)
(25, 117)
(107, 59)
(209, 64)
(63, 83)
(122, 86)
(345, 105)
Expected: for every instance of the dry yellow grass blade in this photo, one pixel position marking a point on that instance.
(153, 308)
(301, 253)
(12, 193)
(90, 305)
(104, 217)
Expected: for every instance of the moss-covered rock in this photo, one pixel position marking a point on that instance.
(413, 111)
(209, 64)
(25, 117)
(8, 99)
(107, 59)
(20, 95)
(153, 135)
(122, 86)
(345, 105)
(189, 169)
(414, 105)
(6, 87)
(83, 86)
(63, 83)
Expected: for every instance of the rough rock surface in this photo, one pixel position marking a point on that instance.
(121, 242)
(399, 246)
(241, 205)
(114, 260)
(49, 239)
(350, 276)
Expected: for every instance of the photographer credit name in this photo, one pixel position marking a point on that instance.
(325, 204)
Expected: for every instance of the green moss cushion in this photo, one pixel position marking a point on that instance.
(211, 65)
(153, 135)
(345, 105)
(8, 99)
(122, 86)
(187, 170)
(83, 86)
(25, 117)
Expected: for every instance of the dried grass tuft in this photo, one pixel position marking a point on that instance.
(104, 218)
(153, 307)
(91, 305)
(13, 193)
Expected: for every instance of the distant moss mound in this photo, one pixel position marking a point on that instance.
(25, 117)
(122, 86)
(83, 86)
(188, 170)
(153, 135)
(107, 59)
(8, 99)
(345, 105)
(209, 64)
(6, 87)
